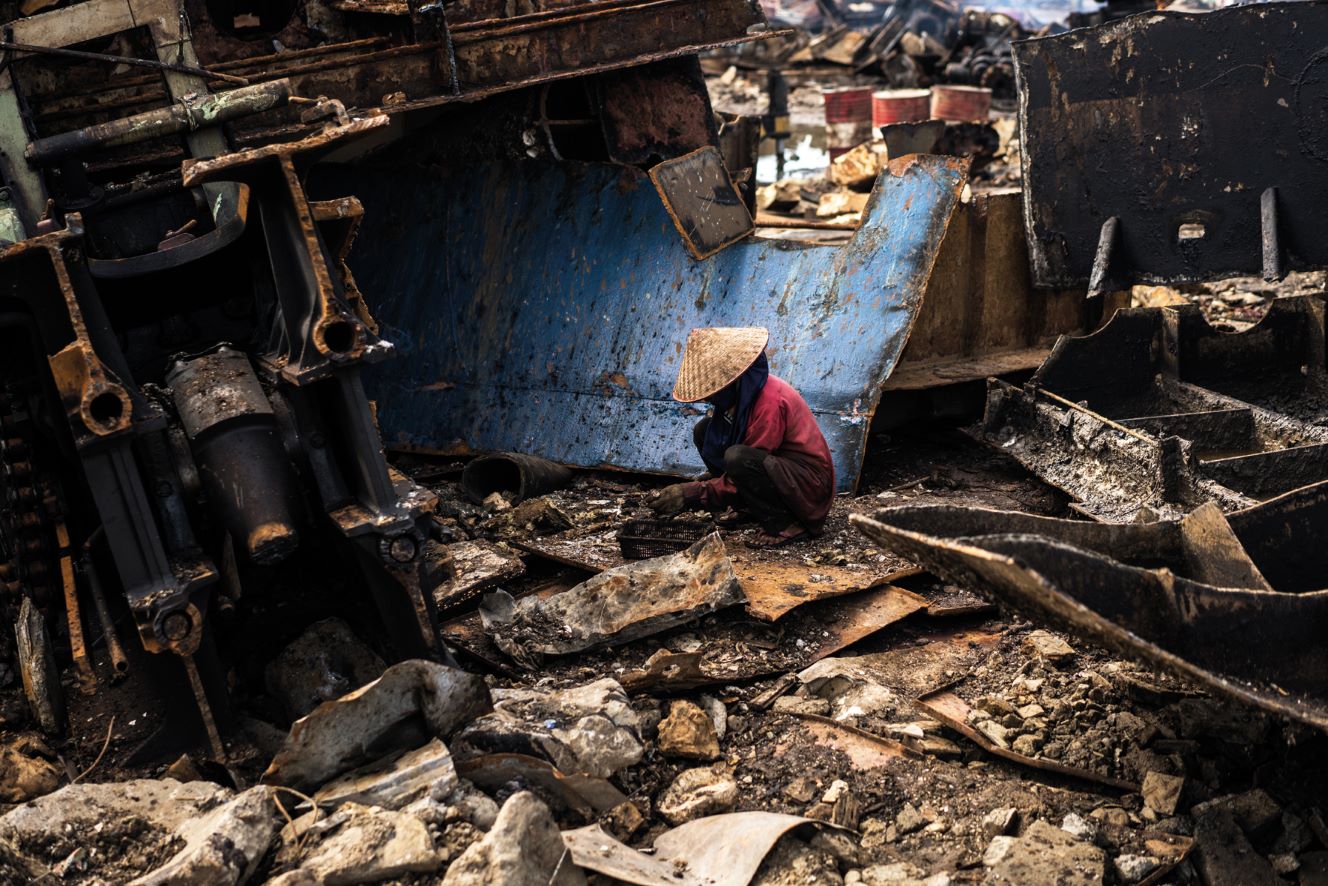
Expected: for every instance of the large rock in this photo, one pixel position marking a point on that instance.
(696, 793)
(585, 730)
(125, 827)
(325, 662)
(1223, 855)
(370, 844)
(688, 732)
(1047, 854)
(363, 726)
(223, 846)
(524, 848)
(1161, 792)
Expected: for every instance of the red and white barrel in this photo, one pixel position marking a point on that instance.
(900, 106)
(848, 118)
(962, 103)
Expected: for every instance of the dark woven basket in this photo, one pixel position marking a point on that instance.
(643, 539)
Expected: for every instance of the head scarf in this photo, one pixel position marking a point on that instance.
(733, 408)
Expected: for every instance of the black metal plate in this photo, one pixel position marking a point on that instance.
(1166, 120)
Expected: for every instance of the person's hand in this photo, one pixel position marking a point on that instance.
(668, 501)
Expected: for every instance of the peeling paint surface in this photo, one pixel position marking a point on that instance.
(514, 291)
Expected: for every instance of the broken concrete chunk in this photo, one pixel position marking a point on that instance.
(1161, 792)
(995, 732)
(325, 662)
(1254, 811)
(837, 203)
(859, 167)
(688, 732)
(590, 729)
(1076, 825)
(223, 846)
(27, 770)
(410, 703)
(1132, 868)
(394, 781)
(718, 714)
(370, 844)
(1222, 854)
(794, 861)
(997, 849)
(781, 196)
(722, 850)
(1047, 854)
(618, 605)
(1047, 645)
(524, 848)
(999, 822)
(126, 827)
(909, 819)
(838, 806)
(696, 793)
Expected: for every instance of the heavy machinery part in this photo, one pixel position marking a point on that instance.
(238, 450)
(1158, 412)
(1151, 145)
(1213, 601)
(190, 113)
(523, 476)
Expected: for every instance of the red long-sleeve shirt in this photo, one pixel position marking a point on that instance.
(782, 424)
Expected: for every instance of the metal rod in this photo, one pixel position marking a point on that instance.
(119, 662)
(1102, 418)
(121, 60)
(204, 709)
(175, 119)
(1272, 246)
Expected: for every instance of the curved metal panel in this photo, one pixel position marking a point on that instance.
(543, 307)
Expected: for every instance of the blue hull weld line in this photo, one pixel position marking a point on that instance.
(542, 307)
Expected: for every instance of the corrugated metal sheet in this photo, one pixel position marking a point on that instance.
(542, 308)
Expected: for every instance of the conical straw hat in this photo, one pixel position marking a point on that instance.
(715, 357)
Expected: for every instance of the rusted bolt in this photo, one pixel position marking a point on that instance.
(175, 627)
(402, 549)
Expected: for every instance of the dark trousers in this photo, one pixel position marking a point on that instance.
(745, 466)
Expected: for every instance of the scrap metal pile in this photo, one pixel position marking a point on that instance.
(274, 276)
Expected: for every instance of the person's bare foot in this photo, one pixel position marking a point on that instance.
(789, 534)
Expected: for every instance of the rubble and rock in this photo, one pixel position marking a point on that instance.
(524, 848)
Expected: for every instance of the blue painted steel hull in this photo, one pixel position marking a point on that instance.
(542, 308)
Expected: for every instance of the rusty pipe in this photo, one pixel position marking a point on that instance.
(119, 662)
(87, 678)
(176, 119)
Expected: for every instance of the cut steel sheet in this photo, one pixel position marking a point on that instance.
(542, 308)
(1190, 596)
(1176, 147)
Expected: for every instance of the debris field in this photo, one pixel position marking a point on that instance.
(392, 491)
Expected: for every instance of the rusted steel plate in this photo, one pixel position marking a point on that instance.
(1103, 582)
(774, 582)
(1176, 124)
(542, 308)
(700, 198)
(492, 55)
